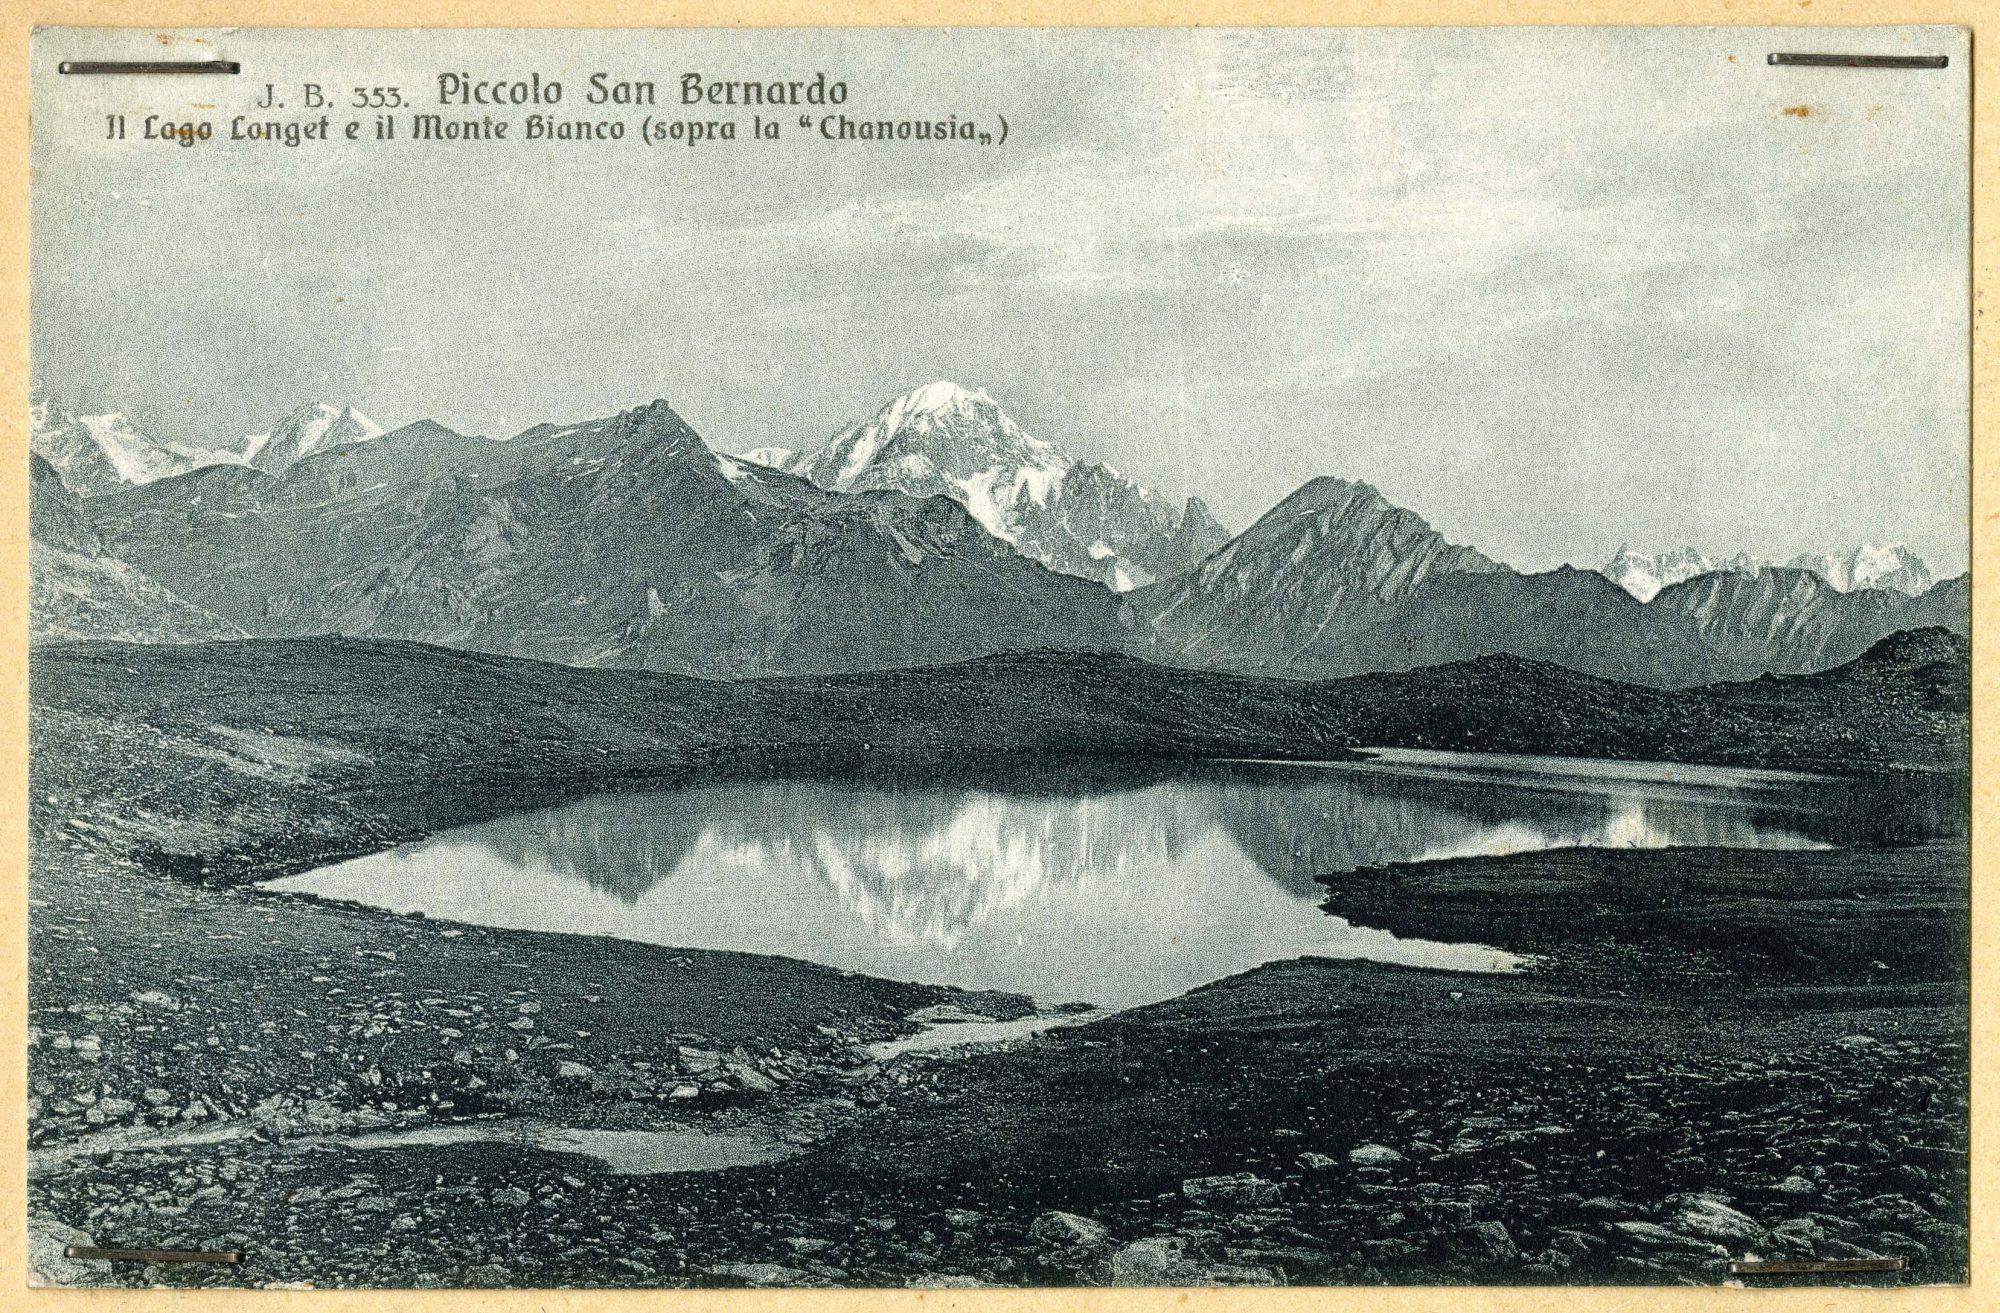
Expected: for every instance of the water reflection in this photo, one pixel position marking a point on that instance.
(1112, 891)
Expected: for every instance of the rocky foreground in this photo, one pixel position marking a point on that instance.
(1308, 1122)
(1716, 1054)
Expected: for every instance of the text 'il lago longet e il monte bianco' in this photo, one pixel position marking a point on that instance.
(689, 109)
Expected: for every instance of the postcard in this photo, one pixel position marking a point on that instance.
(865, 658)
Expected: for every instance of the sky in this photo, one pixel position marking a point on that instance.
(1555, 290)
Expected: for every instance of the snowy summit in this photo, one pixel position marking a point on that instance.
(1081, 518)
(307, 431)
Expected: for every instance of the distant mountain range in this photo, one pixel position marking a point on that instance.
(936, 530)
(94, 454)
(1337, 581)
(98, 454)
(1073, 516)
(1867, 566)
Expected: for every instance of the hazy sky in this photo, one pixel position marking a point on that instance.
(1552, 289)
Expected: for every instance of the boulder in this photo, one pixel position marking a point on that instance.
(1482, 1242)
(760, 1274)
(1711, 1219)
(1068, 1229)
(1159, 1260)
(47, 1238)
(1653, 1236)
(1373, 1155)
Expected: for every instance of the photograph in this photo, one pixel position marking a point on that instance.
(928, 657)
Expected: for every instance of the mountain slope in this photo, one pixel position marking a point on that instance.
(1336, 581)
(1946, 604)
(624, 541)
(1077, 517)
(76, 590)
(1783, 620)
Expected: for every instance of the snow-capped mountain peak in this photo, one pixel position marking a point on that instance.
(1871, 565)
(944, 439)
(943, 434)
(94, 454)
(1644, 574)
(307, 431)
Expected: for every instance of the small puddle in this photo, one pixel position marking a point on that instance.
(968, 1031)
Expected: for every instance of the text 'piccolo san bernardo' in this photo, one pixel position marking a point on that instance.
(533, 108)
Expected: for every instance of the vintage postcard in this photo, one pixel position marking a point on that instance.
(947, 658)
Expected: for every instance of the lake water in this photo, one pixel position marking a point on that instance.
(1070, 886)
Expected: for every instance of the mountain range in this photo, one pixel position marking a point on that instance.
(1335, 581)
(933, 531)
(625, 541)
(1870, 565)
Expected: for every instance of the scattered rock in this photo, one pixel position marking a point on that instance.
(760, 1274)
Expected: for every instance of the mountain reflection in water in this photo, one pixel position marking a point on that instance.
(1113, 891)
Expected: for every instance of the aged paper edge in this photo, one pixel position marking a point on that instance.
(22, 15)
